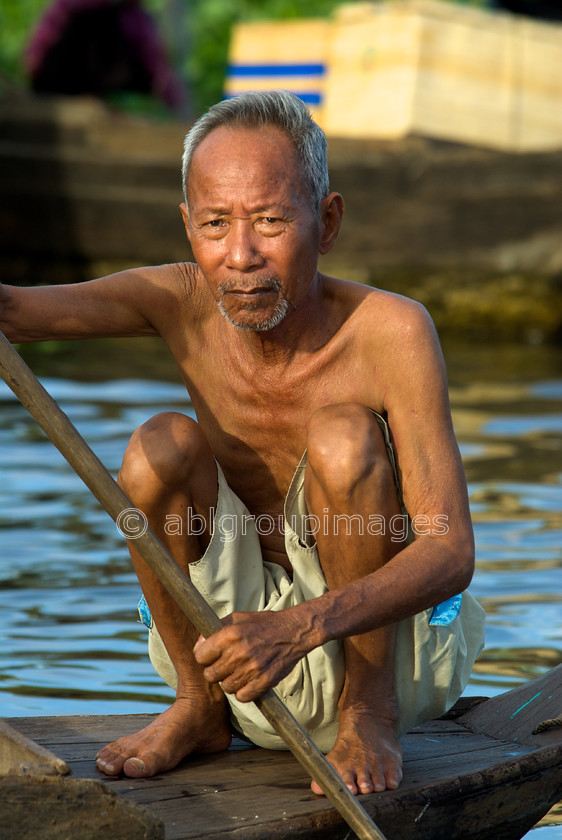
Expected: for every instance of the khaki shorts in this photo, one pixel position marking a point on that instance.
(435, 650)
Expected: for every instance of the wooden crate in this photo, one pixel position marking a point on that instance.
(437, 69)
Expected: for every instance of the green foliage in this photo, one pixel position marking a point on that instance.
(17, 19)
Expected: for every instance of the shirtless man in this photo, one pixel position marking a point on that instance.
(279, 359)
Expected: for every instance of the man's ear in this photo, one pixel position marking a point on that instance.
(185, 217)
(331, 212)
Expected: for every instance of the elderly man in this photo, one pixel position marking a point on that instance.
(322, 418)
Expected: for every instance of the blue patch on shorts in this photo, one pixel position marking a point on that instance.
(144, 613)
(445, 613)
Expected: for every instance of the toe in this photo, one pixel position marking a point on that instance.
(349, 780)
(376, 777)
(135, 768)
(110, 760)
(365, 785)
(315, 787)
(393, 779)
(147, 763)
(110, 766)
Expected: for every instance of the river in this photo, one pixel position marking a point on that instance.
(71, 640)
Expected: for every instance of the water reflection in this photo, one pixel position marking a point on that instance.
(71, 640)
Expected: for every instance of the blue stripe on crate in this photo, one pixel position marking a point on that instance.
(238, 70)
(309, 98)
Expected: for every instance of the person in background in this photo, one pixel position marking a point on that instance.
(100, 48)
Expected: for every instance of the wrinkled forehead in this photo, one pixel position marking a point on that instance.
(239, 158)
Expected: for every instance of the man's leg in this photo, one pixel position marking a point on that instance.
(348, 479)
(169, 469)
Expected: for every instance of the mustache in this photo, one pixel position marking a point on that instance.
(268, 281)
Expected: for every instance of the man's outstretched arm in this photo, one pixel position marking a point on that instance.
(130, 303)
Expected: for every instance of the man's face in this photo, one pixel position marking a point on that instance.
(251, 224)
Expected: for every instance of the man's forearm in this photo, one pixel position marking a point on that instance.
(18, 318)
(424, 574)
(111, 306)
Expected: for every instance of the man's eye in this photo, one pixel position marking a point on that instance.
(214, 223)
(271, 221)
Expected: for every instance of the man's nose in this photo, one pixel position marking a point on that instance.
(244, 248)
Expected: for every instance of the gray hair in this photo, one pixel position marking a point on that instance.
(257, 109)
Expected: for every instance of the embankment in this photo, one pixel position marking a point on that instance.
(475, 234)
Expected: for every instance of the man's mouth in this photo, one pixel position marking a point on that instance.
(253, 292)
(263, 286)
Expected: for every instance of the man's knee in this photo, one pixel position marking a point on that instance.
(345, 445)
(164, 449)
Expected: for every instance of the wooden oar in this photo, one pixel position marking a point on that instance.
(69, 442)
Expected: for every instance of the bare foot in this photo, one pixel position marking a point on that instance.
(187, 726)
(366, 754)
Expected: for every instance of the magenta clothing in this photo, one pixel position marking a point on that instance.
(97, 47)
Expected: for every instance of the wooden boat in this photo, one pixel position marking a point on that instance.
(488, 769)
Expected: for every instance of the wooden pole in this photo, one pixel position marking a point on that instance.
(87, 465)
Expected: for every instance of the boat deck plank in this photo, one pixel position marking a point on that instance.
(253, 793)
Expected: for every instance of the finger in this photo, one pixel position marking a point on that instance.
(233, 684)
(228, 685)
(252, 690)
(219, 672)
(206, 651)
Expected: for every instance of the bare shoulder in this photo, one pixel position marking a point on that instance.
(182, 279)
(165, 289)
(404, 335)
(397, 342)
(386, 318)
(177, 278)
(394, 312)
(403, 326)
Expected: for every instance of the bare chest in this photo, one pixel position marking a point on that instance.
(256, 421)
